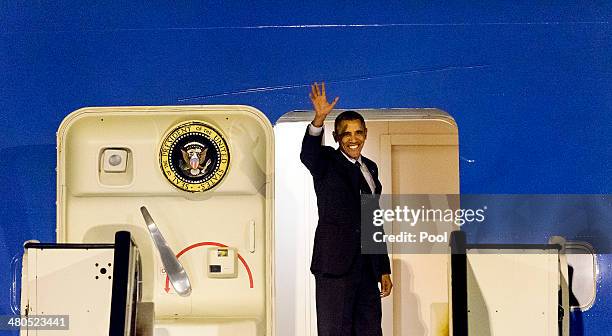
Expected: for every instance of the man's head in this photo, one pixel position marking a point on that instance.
(350, 133)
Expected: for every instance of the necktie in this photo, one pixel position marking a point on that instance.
(364, 187)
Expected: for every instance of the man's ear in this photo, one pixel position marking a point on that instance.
(365, 133)
(335, 136)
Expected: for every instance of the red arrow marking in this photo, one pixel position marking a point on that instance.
(183, 251)
(167, 287)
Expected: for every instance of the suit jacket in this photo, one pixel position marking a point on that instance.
(336, 181)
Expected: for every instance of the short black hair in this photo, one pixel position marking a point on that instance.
(348, 115)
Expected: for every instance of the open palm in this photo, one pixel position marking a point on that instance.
(319, 101)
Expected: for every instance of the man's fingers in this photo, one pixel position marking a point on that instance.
(311, 97)
(386, 291)
(316, 89)
(313, 91)
(323, 89)
(334, 102)
(386, 286)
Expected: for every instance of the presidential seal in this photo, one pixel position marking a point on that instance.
(194, 156)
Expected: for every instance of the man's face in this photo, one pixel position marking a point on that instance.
(351, 136)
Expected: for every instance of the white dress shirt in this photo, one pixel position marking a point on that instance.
(316, 131)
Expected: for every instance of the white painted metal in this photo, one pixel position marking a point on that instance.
(513, 293)
(93, 204)
(68, 282)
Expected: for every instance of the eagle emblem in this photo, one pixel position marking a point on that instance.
(194, 155)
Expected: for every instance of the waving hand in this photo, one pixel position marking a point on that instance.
(320, 104)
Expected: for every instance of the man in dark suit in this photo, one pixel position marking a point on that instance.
(347, 293)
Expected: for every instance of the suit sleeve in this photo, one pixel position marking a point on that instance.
(385, 266)
(312, 153)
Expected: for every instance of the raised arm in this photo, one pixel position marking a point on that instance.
(311, 154)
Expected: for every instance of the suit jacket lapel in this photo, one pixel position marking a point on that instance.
(354, 175)
(371, 168)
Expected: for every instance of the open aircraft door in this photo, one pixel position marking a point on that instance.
(417, 152)
(193, 186)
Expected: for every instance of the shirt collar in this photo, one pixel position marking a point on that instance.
(351, 160)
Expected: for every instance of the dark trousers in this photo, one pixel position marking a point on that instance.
(349, 305)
